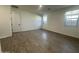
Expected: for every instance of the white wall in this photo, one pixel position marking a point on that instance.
(5, 22)
(16, 20)
(30, 21)
(55, 23)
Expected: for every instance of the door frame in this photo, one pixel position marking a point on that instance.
(19, 19)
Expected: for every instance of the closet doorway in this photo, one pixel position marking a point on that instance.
(16, 20)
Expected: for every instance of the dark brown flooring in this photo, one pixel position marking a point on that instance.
(39, 41)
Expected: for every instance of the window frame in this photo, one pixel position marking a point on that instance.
(65, 19)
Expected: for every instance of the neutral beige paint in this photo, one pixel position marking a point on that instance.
(30, 21)
(16, 20)
(27, 20)
(0, 47)
(56, 23)
(5, 21)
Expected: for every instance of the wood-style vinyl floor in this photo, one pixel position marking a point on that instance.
(37, 41)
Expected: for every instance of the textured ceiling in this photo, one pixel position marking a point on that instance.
(43, 9)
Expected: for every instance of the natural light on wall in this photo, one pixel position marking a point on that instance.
(45, 19)
(40, 7)
(72, 18)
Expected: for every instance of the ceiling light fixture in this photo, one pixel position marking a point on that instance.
(40, 6)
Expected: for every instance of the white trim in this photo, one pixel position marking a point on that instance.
(0, 48)
(61, 33)
(5, 36)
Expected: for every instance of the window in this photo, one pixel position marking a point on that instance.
(72, 18)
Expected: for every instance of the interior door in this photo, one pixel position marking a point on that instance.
(16, 23)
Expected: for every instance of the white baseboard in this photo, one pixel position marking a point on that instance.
(5, 36)
(62, 33)
(31, 29)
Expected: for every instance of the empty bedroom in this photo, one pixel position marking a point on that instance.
(39, 28)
